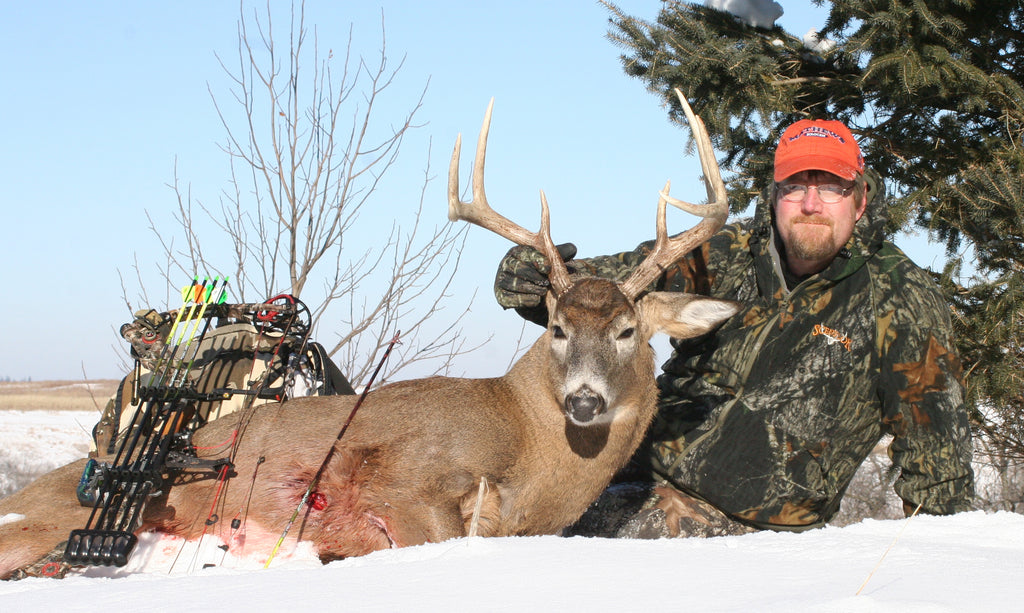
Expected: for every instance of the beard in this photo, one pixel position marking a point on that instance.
(812, 238)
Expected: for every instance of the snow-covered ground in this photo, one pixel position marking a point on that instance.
(34, 442)
(969, 562)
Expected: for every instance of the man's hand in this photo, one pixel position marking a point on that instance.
(522, 278)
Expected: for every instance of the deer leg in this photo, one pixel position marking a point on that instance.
(481, 510)
(417, 523)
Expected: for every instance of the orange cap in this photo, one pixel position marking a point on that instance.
(818, 144)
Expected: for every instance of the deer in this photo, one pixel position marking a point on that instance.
(427, 460)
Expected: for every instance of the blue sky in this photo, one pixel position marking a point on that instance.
(102, 99)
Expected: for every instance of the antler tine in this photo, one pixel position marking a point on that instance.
(668, 251)
(480, 213)
(558, 276)
(717, 197)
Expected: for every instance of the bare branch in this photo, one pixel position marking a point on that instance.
(308, 155)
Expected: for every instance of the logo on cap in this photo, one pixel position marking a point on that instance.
(819, 132)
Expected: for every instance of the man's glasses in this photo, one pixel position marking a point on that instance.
(828, 193)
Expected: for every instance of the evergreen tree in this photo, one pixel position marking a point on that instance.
(934, 92)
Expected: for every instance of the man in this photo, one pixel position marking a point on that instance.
(763, 423)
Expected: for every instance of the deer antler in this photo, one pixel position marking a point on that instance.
(668, 251)
(478, 212)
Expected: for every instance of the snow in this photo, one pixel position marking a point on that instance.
(34, 442)
(756, 13)
(814, 42)
(968, 562)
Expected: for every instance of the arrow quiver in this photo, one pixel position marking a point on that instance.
(202, 361)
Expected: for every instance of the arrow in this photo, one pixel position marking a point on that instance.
(330, 452)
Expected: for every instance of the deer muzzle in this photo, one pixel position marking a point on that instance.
(584, 406)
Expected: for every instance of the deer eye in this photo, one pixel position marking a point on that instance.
(627, 333)
(557, 332)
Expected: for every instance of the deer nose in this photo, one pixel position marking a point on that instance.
(583, 406)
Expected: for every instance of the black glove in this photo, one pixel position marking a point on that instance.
(522, 278)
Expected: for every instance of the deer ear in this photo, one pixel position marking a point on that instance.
(684, 315)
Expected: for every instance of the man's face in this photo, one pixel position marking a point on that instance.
(813, 228)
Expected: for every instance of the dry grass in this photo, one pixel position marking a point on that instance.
(56, 395)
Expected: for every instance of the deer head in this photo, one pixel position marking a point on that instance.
(598, 330)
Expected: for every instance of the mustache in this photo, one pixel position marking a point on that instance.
(812, 219)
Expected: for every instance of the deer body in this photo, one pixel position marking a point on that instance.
(410, 466)
(407, 471)
(521, 454)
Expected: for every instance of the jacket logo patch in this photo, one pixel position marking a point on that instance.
(833, 336)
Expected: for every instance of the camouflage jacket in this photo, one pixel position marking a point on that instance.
(769, 417)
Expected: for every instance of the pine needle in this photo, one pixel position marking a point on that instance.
(886, 552)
